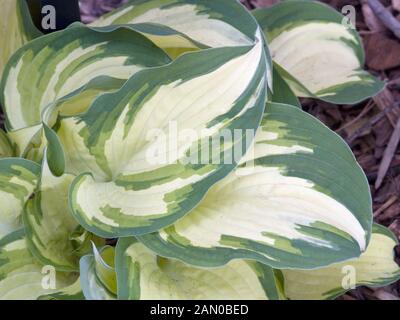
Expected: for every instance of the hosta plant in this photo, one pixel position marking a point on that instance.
(161, 153)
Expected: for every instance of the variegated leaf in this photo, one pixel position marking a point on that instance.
(320, 54)
(30, 142)
(282, 93)
(98, 277)
(72, 292)
(375, 267)
(16, 28)
(54, 152)
(135, 180)
(22, 277)
(289, 204)
(208, 23)
(56, 64)
(49, 223)
(174, 43)
(18, 180)
(142, 275)
(25, 140)
(6, 149)
(83, 241)
(79, 100)
(180, 26)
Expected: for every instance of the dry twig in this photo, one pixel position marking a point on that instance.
(388, 155)
(385, 16)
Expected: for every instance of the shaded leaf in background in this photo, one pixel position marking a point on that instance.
(16, 28)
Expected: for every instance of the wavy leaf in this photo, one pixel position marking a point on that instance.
(16, 28)
(134, 180)
(375, 267)
(174, 43)
(49, 223)
(72, 292)
(18, 180)
(288, 204)
(282, 93)
(25, 140)
(98, 277)
(180, 26)
(210, 23)
(6, 149)
(320, 56)
(142, 275)
(21, 276)
(79, 100)
(57, 64)
(55, 152)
